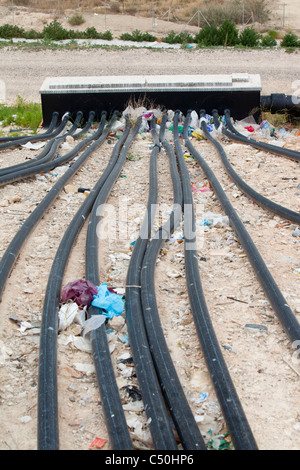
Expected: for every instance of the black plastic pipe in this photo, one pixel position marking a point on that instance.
(271, 289)
(254, 195)
(180, 410)
(48, 432)
(12, 252)
(233, 412)
(159, 422)
(49, 152)
(31, 170)
(50, 129)
(112, 407)
(45, 136)
(233, 134)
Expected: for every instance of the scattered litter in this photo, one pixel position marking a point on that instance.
(197, 133)
(201, 187)
(134, 393)
(36, 146)
(215, 220)
(111, 303)
(25, 419)
(97, 443)
(202, 398)
(24, 325)
(296, 232)
(267, 129)
(256, 327)
(81, 291)
(93, 323)
(220, 442)
(68, 314)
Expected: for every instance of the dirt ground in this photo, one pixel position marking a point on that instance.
(262, 362)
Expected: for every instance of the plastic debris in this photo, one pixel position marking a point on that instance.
(215, 220)
(93, 323)
(98, 443)
(201, 187)
(220, 442)
(111, 303)
(197, 133)
(81, 291)
(296, 232)
(267, 129)
(69, 313)
(34, 146)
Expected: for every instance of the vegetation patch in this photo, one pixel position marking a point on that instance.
(23, 114)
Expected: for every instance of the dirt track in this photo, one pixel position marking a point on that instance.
(24, 71)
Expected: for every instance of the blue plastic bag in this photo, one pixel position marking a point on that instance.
(111, 304)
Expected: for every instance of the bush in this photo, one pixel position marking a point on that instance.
(181, 38)
(8, 31)
(290, 40)
(208, 36)
(76, 19)
(138, 36)
(229, 35)
(273, 34)
(249, 37)
(268, 41)
(55, 32)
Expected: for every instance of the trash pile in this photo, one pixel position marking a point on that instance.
(77, 297)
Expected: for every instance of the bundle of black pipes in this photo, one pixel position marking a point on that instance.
(165, 404)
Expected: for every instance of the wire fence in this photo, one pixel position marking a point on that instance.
(187, 14)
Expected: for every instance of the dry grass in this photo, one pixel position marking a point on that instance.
(175, 10)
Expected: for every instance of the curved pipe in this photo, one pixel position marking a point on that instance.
(272, 291)
(112, 407)
(48, 436)
(254, 195)
(28, 170)
(160, 425)
(181, 413)
(12, 252)
(38, 138)
(49, 152)
(235, 418)
(235, 135)
(52, 125)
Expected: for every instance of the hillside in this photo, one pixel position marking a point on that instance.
(159, 16)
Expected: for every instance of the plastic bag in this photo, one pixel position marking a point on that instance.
(111, 303)
(81, 291)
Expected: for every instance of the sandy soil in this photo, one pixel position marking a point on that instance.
(261, 361)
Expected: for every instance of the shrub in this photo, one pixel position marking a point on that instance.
(181, 38)
(138, 36)
(268, 41)
(290, 40)
(273, 34)
(249, 37)
(229, 35)
(9, 31)
(107, 35)
(76, 19)
(55, 32)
